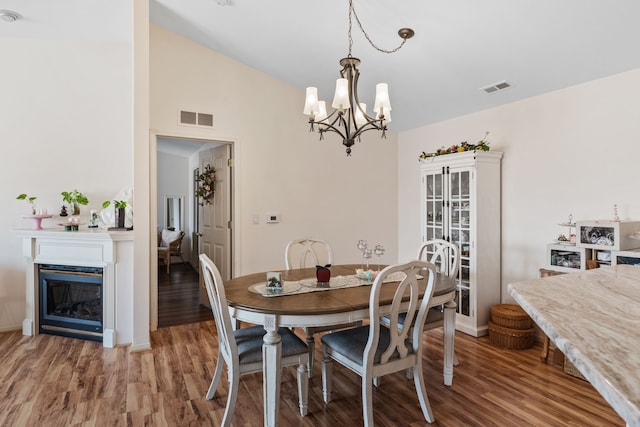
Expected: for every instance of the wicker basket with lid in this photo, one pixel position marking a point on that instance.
(517, 339)
(510, 316)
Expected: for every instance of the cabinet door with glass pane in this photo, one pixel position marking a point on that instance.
(432, 205)
(461, 203)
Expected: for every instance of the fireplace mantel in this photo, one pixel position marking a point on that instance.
(111, 250)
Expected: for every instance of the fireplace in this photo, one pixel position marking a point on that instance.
(70, 301)
(108, 254)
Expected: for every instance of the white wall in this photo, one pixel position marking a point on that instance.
(571, 151)
(65, 115)
(278, 166)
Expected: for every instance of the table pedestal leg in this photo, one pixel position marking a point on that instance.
(449, 335)
(271, 351)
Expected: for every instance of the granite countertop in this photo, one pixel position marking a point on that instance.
(593, 317)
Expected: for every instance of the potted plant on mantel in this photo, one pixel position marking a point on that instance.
(119, 206)
(37, 218)
(30, 200)
(74, 199)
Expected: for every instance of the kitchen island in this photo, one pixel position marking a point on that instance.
(593, 317)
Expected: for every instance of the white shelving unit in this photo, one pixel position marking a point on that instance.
(631, 256)
(460, 198)
(567, 258)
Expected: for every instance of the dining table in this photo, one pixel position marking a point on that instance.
(302, 302)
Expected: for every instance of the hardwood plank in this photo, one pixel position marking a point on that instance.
(179, 297)
(51, 381)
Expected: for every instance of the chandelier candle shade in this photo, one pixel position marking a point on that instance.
(349, 118)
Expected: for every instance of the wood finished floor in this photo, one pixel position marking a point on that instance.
(56, 381)
(179, 297)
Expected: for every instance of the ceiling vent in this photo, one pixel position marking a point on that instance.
(496, 87)
(192, 118)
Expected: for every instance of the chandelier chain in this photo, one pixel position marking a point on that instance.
(352, 11)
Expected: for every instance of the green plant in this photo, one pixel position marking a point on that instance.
(482, 145)
(74, 198)
(119, 204)
(29, 200)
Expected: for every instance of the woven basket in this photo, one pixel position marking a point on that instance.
(510, 316)
(517, 339)
(569, 368)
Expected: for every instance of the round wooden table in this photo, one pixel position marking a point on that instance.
(320, 308)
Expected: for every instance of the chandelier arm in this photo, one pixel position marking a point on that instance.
(330, 126)
(370, 126)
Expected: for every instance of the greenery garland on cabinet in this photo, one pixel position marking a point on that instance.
(206, 185)
(482, 145)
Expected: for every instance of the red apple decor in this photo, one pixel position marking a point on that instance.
(323, 274)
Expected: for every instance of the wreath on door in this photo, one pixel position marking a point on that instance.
(206, 185)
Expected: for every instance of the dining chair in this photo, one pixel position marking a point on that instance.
(446, 257)
(241, 350)
(310, 252)
(169, 245)
(307, 252)
(375, 350)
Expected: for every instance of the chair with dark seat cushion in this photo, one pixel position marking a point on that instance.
(241, 350)
(375, 350)
(446, 257)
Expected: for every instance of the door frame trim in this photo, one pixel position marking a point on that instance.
(154, 135)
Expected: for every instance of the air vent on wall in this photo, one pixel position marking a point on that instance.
(496, 87)
(192, 118)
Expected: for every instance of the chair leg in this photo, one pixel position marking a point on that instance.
(377, 381)
(367, 400)
(311, 343)
(408, 373)
(327, 376)
(421, 390)
(234, 385)
(303, 387)
(216, 377)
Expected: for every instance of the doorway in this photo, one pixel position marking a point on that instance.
(178, 296)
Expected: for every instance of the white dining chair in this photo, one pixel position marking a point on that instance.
(307, 252)
(241, 350)
(375, 350)
(446, 257)
(310, 252)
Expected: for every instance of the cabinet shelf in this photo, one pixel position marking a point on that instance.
(567, 259)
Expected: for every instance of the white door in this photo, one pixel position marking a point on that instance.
(215, 218)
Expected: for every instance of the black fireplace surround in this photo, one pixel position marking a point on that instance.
(70, 301)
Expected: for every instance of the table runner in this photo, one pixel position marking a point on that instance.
(311, 284)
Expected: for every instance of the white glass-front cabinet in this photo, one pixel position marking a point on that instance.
(461, 203)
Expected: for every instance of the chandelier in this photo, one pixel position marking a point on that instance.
(349, 119)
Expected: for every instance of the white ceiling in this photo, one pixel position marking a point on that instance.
(460, 46)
